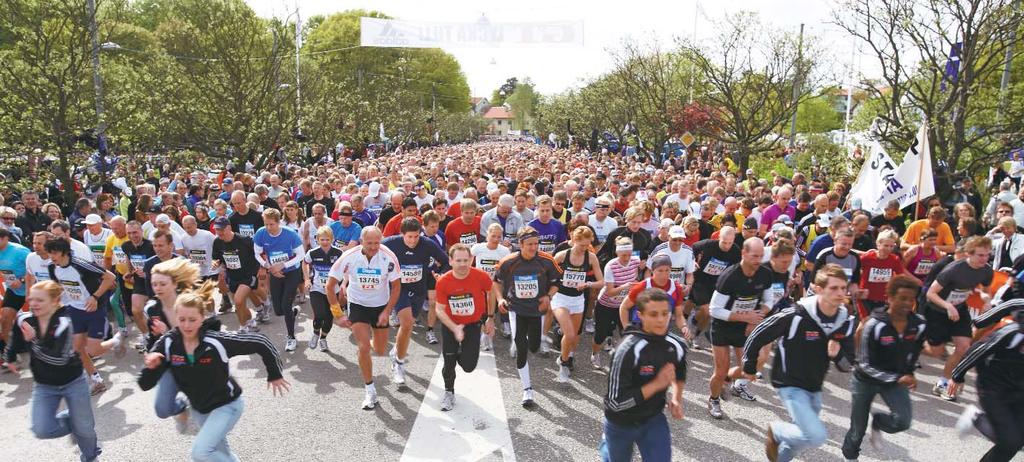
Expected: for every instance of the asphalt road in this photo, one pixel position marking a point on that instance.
(321, 418)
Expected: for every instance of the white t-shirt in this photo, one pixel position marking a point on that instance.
(602, 228)
(199, 250)
(682, 262)
(97, 244)
(369, 281)
(684, 202)
(487, 259)
(428, 199)
(148, 228)
(35, 265)
(81, 251)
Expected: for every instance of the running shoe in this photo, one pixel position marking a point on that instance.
(939, 389)
(512, 350)
(98, 386)
(563, 371)
(875, 438)
(323, 345)
(431, 337)
(528, 398)
(393, 319)
(448, 401)
(140, 343)
(571, 363)
(715, 408)
(608, 346)
(121, 347)
(252, 326)
(595, 360)
(965, 423)
(370, 401)
(588, 326)
(545, 348)
(263, 315)
(506, 330)
(398, 368)
(289, 345)
(486, 344)
(313, 341)
(740, 389)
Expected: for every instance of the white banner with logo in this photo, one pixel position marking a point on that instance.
(394, 33)
(878, 167)
(915, 178)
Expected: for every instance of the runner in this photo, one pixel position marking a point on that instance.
(466, 313)
(279, 251)
(946, 311)
(316, 267)
(636, 393)
(741, 300)
(580, 272)
(878, 266)
(85, 294)
(683, 265)
(620, 275)
(13, 258)
(817, 330)
(525, 281)
(198, 245)
(237, 255)
(371, 281)
(415, 256)
(196, 355)
(713, 257)
(888, 345)
(486, 256)
(115, 261)
(551, 231)
(38, 262)
(345, 230)
(136, 251)
(466, 229)
(45, 331)
(95, 237)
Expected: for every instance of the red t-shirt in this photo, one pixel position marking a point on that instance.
(394, 225)
(464, 300)
(458, 231)
(875, 273)
(676, 295)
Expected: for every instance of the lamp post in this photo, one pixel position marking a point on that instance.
(97, 78)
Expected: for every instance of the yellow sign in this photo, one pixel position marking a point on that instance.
(687, 139)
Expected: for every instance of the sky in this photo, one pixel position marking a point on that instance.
(606, 25)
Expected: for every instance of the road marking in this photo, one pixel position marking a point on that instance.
(476, 429)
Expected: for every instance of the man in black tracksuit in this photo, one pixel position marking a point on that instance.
(648, 361)
(1000, 362)
(814, 331)
(888, 345)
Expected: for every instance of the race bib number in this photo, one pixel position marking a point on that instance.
(138, 261)
(488, 266)
(120, 257)
(411, 274)
(924, 267)
(547, 247)
(677, 274)
(467, 238)
(339, 244)
(369, 278)
(197, 256)
(461, 305)
(74, 292)
(957, 297)
(778, 291)
(97, 254)
(573, 278)
(527, 286)
(849, 272)
(744, 304)
(9, 277)
(716, 267)
(232, 261)
(245, 230)
(278, 257)
(880, 275)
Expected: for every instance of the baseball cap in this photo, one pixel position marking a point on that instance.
(666, 223)
(784, 219)
(154, 209)
(824, 221)
(374, 189)
(221, 223)
(660, 260)
(750, 223)
(93, 219)
(676, 232)
(163, 219)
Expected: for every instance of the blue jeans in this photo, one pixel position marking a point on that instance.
(77, 419)
(211, 444)
(167, 402)
(896, 420)
(807, 430)
(652, 437)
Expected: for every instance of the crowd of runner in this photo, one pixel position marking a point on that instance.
(545, 247)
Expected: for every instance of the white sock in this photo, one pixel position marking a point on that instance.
(370, 388)
(116, 339)
(524, 376)
(943, 382)
(742, 382)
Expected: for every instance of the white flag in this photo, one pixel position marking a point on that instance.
(875, 171)
(915, 178)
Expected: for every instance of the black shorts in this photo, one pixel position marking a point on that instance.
(13, 300)
(726, 334)
(234, 284)
(411, 300)
(701, 295)
(939, 329)
(366, 315)
(139, 284)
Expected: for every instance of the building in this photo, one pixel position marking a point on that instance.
(479, 105)
(499, 120)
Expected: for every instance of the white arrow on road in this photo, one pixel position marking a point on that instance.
(476, 429)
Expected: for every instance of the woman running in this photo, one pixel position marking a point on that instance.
(317, 265)
(921, 258)
(45, 331)
(198, 361)
(580, 272)
(623, 272)
(279, 250)
(486, 256)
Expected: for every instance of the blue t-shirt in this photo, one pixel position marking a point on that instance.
(280, 248)
(12, 266)
(343, 235)
(551, 234)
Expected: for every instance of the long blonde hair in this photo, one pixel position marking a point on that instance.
(184, 273)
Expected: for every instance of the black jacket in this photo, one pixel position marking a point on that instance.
(801, 354)
(636, 361)
(883, 354)
(1000, 361)
(54, 360)
(207, 382)
(32, 222)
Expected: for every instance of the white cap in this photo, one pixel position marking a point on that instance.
(374, 189)
(93, 219)
(666, 223)
(163, 219)
(676, 232)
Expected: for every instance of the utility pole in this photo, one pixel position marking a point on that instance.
(97, 79)
(298, 82)
(796, 86)
(1005, 83)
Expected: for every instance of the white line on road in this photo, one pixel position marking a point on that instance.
(476, 429)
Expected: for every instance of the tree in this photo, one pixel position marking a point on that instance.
(523, 101)
(750, 72)
(818, 114)
(971, 121)
(651, 80)
(506, 89)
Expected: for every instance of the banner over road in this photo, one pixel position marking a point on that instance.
(393, 33)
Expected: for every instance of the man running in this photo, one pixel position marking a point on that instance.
(372, 281)
(713, 257)
(12, 266)
(237, 255)
(463, 306)
(136, 251)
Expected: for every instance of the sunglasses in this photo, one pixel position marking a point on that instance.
(8, 218)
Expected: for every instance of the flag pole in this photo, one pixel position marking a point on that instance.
(925, 147)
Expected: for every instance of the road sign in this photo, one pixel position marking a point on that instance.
(687, 139)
